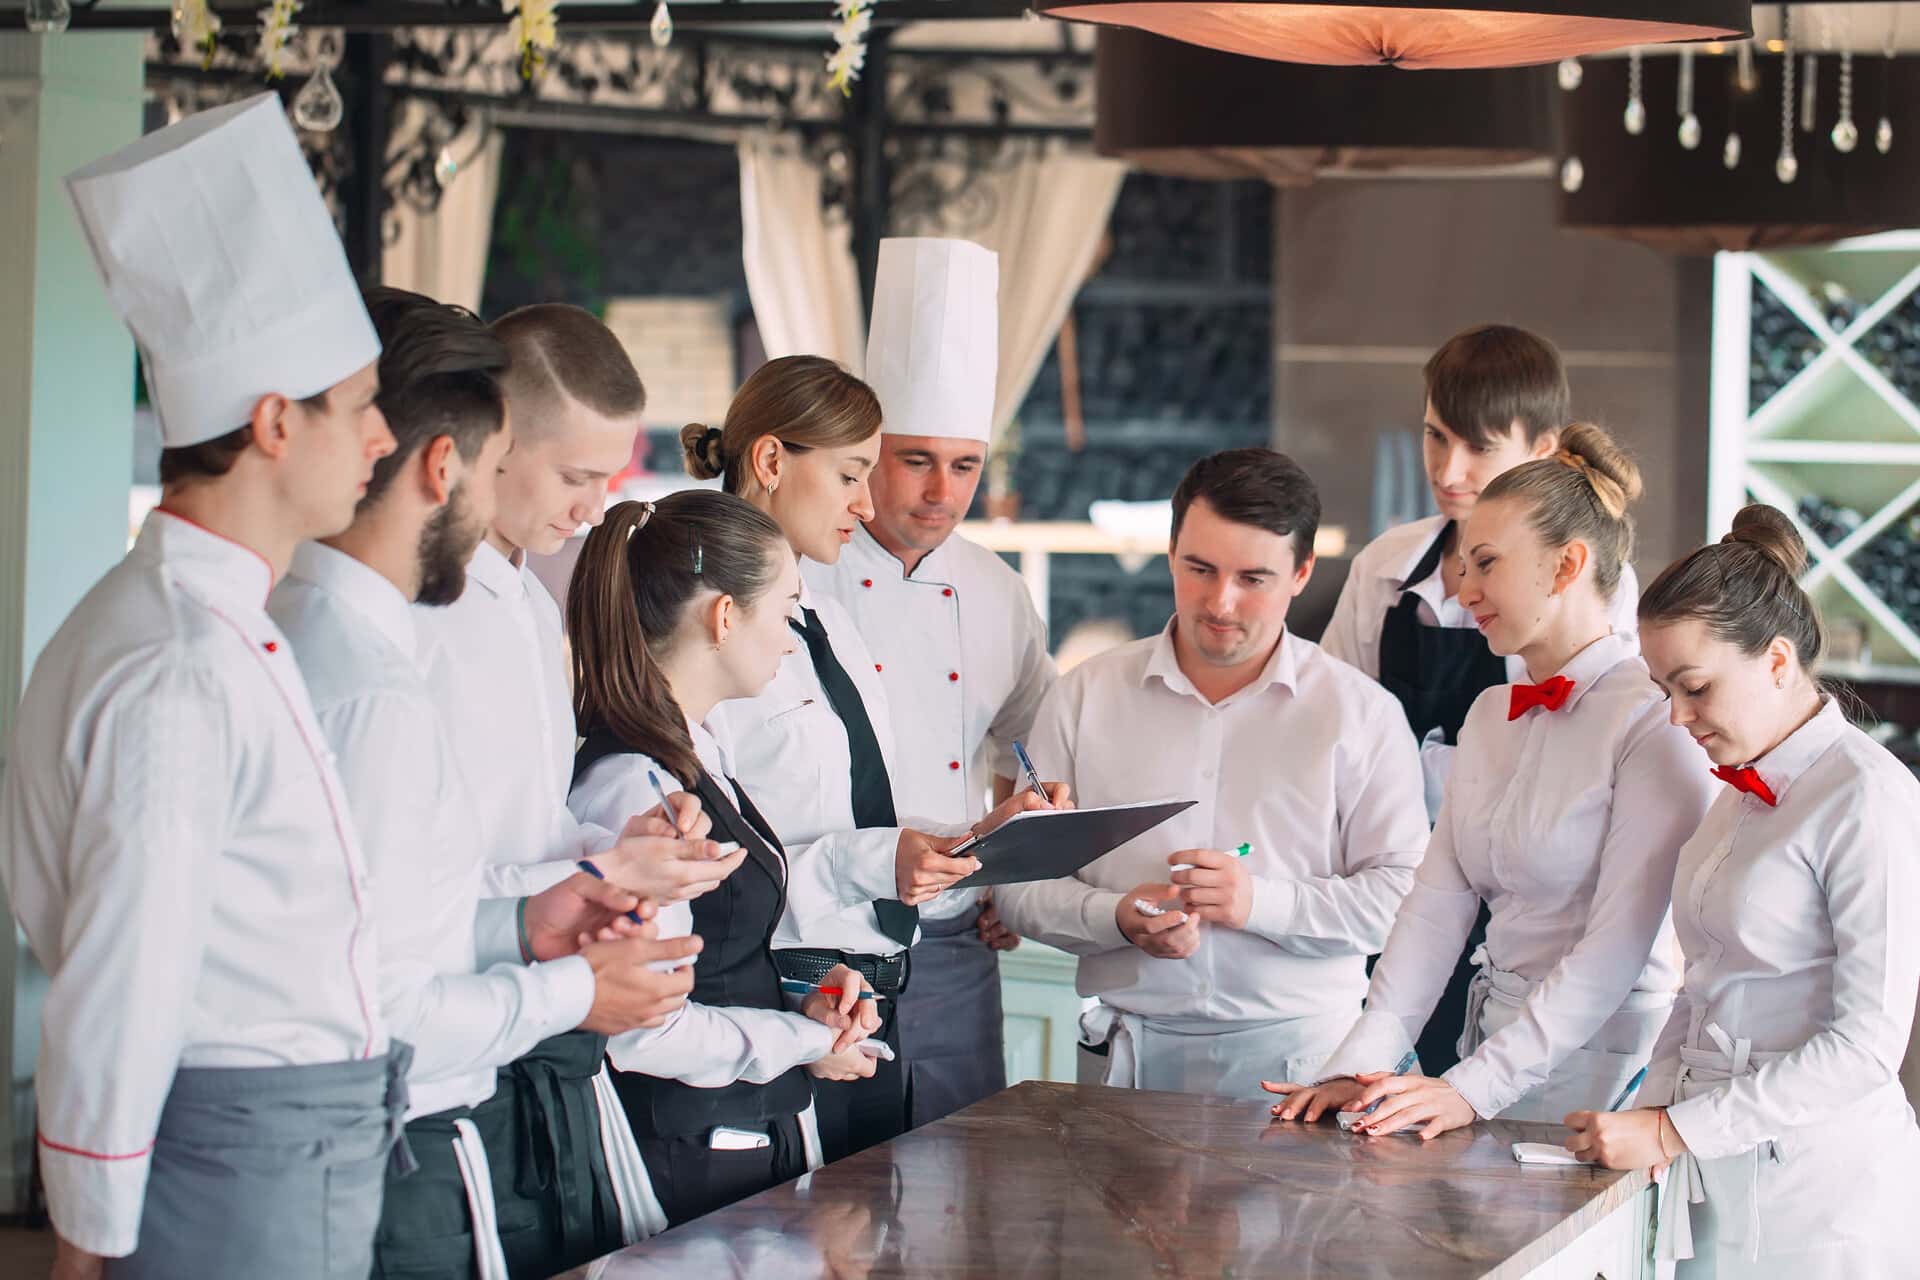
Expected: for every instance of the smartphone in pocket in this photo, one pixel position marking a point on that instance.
(723, 1138)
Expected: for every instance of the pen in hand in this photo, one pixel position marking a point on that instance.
(1033, 775)
(1639, 1077)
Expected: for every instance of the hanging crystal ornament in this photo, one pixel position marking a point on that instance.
(1746, 75)
(445, 167)
(1571, 73)
(1787, 166)
(661, 28)
(318, 106)
(1730, 151)
(48, 17)
(1573, 174)
(1635, 116)
(1883, 134)
(1846, 134)
(1689, 122)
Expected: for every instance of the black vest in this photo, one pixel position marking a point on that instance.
(735, 967)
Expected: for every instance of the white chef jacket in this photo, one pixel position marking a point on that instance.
(707, 1046)
(497, 665)
(790, 753)
(963, 657)
(356, 638)
(1311, 763)
(178, 849)
(1567, 824)
(1373, 587)
(1800, 924)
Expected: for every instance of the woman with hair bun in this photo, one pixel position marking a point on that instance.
(1774, 1090)
(1565, 811)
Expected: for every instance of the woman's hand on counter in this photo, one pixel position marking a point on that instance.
(1428, 1103)
(1641, 1139)
(1309, 1102)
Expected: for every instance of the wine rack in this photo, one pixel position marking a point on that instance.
(1816, 410)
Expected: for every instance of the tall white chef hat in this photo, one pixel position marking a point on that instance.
(218, 252)
(934, 344)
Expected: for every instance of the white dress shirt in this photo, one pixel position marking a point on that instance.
(706, 1046)
(791, 755)
(1800, 924)
(1311, 763)
(963, 657)
(1567, 824)
(497, 666)
(356, 638)
(178, 849)
(1373, 587)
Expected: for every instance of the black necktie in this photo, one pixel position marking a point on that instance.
(872, 792)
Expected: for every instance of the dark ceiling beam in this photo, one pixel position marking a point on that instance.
(384, 16)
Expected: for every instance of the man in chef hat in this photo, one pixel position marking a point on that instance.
(951, 626)
(216, 1092)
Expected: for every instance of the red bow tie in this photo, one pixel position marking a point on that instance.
(1551, 694)
(1747, 779)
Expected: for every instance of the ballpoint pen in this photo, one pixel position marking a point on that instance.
(1406, 1064)
(1033, 776)
(1639, 1078)
(795, 987)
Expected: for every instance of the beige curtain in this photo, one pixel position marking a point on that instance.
(801, 275)
(1049, 215)
(444, 254)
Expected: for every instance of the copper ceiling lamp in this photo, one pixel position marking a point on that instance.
(1419, 34)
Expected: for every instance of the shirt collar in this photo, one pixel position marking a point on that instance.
(883, 564)
(362, 587)
(1163, 664)
(494, 571)
(1399, 571)
(1587, 666)
(210, 562)
(1793, 757)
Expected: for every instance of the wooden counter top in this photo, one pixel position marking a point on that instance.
(1054, 1180)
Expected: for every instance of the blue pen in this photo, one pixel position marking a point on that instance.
(1406, 1065)
(1633, 1084)
(795, 987)
(586, 865)
(1033, 776)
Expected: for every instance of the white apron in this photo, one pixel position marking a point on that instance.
(1853, 1186)
(1197, 1056)
(1589, 1078)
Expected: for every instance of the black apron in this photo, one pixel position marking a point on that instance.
(671, 1121)
(558, 1168)
(1436, 673)
(951, 1020)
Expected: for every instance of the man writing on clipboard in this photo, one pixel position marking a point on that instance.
(1235, 935)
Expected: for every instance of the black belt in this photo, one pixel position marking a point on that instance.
(887, 974)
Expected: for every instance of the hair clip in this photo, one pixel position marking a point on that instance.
(646, 514)
(699, 559)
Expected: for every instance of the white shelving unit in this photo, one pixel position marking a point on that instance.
(1838, 430)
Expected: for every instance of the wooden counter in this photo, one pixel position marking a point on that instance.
(1054, 1180)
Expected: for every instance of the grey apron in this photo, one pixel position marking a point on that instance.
(951, 1031)
(270, 1171)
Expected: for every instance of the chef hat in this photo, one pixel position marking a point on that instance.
(933, 346)
(218, 252)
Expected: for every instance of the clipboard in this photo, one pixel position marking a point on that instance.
(1046, 844)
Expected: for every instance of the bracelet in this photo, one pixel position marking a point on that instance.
(1662, 1124)
(520, 924)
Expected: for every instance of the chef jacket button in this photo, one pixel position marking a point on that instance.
(876, 666)
(866, 582)
(946, 591)
(953, 764)
(953, 675)
(271, 647)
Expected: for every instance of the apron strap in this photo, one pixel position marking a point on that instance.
(476, 1175)
(400, 1159)
(1680, 1187)
(553, 1128)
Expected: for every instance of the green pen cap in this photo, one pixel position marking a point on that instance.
(1243, 850)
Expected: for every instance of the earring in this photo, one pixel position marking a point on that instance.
(771, 486)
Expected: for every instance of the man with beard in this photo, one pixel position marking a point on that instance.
(1234, 937)
(345, 608)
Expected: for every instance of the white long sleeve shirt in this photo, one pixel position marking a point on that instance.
(357, 643)
(1567, 824)
(497, 665)
(1312, 764)
(963, 658)
(706, 1046)
(790, 751)
(178, 849)
(1800, 923)
(1374, 586)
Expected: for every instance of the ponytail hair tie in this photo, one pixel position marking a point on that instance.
(646, 514)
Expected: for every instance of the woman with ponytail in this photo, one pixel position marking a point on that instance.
(1565, 811)
(800, 439)
(674, 607)
(1774, 1090)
